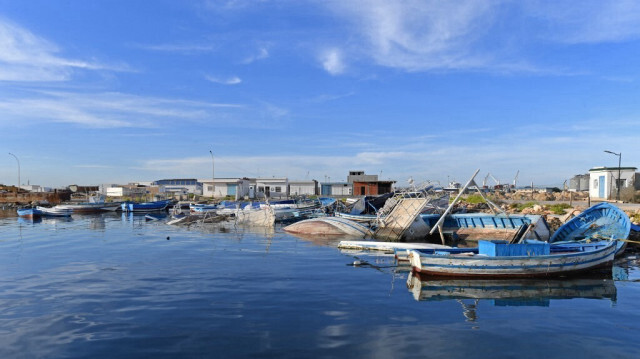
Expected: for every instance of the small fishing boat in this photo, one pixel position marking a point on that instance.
(29, 213)
(55, 212)
(329, 226)
(499, 259)
(198, 208)
(602, 221)
(148, 206)
(360, 218)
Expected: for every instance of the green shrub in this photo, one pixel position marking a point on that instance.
(559, 208)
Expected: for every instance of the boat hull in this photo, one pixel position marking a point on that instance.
(329, 226)
(512, 267)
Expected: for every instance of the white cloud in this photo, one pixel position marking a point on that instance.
(26, 57)
(332, 61)
(227, 81)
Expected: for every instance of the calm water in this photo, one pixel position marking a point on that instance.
(117, 286)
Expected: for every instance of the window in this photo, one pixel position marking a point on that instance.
(278, 189)
(210, 188)
(621, 183)
(595, 183)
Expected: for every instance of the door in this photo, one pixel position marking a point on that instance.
(232, 189)
(325, 190)
(601, 187)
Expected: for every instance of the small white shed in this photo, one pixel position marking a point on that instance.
(604, 181)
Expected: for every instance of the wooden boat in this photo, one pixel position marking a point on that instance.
(29, 213)
(514, 260)
(602, 221)
(148, 206)
(88, 207)
(197, 208)
(511, 290)
(329, 226)
(55, 212)
(360, 218)
(477, 226)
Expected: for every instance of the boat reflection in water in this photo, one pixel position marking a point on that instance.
(509, 292)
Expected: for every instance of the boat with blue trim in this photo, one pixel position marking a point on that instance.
(603, 221)
(29, 213)
(497, 259)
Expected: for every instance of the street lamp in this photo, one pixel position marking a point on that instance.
(17, 160)
(213, 176)
(619, 162)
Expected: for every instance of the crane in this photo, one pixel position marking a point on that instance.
(484, 181)
(515, 179)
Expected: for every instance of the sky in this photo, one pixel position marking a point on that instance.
(121, 91)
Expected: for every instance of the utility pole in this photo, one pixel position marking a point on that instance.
(213, 177)
(17, 160)
(618, 181)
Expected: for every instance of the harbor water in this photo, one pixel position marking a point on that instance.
(115, 285)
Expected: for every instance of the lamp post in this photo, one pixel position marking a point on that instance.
(17, 160)
(619, 162)
(213, 176)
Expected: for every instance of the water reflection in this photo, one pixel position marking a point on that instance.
(509, 292)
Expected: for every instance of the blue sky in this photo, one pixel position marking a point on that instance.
(122, 91)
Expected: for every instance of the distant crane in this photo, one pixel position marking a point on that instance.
(484, 181)
(515, 179)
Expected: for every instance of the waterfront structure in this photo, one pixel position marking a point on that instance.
(130, 190)
(368, 185)
(179, 186)
(335, 189)
(604, 181)
(303, 188)
(236, 188)
(579, 183)
(275, 187)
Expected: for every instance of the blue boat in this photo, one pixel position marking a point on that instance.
(148, 206)
(602, 221)
(477, 226)
(29, 213)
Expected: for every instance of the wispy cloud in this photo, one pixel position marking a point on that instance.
(224, 81)
(25, 56)
(180, 48)
(260, 54)
(432, 35)
(593, 21)
(106, 110)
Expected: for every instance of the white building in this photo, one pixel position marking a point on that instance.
(336, 189)
(271, 187)
(303, 188)
(604, 182)
(238, 188)
(127, 191)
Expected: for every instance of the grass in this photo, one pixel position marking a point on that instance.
(474, 199)
(521, 206)
(559, 208)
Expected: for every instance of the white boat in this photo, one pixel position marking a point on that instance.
(513, 260)
(257, 217)
(55, 212)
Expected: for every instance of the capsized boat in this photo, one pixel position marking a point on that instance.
(602, 221)
(519, 260)
(329, 226)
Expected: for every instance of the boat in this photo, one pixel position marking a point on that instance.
(55, 212)
(264, 217)
(329, 226)
(29, 213)
(602, 221)
(198, 208)
(497, 259)
(360, 218)
(153, 217)
(477, 226)
(88, 207)
(148, 206)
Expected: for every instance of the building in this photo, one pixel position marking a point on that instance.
(579, 183)
(237, 188)
(360, 176)
(271, 187)
(604, 181)
(368, 185)
(303, 188)
(335, 189)
(130, 190)
(179, 186)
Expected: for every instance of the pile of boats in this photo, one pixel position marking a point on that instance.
(94, 205)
